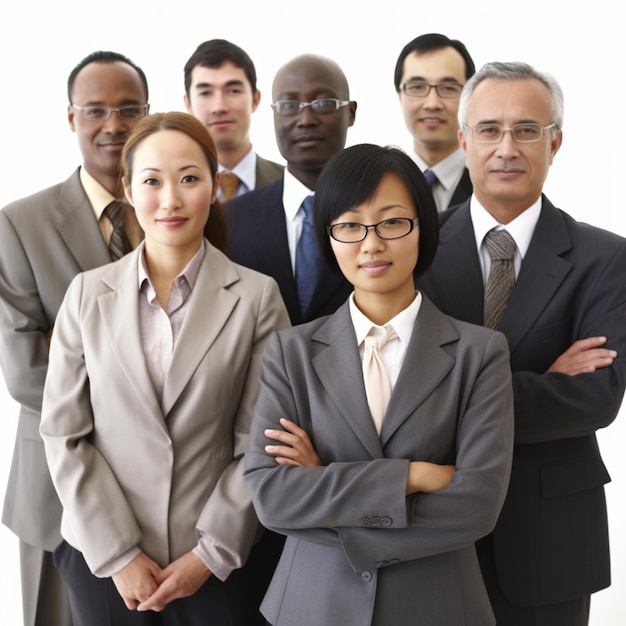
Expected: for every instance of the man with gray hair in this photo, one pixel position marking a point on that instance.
(509, 259)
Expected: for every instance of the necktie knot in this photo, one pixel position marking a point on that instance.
(500, 244)
(229, 184)
(119, 244)
(376, 339)
(375, 375)
(431, 177)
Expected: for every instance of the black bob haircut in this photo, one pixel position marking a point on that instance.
(350, 177)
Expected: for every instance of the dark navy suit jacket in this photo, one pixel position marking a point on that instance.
(258, 240)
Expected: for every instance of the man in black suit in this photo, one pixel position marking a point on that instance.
(565, 321)
(312, 114)
(221, 91)
(430, 73)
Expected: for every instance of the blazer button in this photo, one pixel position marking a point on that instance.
(375, 520)
(385, 521)
(366, 521)
(366, 576)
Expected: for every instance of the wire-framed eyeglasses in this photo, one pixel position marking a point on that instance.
(99, 113)
(527, 132)
(419, 89)
(353, 232)
(323, 106)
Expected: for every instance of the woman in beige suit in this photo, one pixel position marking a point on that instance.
(154, 369)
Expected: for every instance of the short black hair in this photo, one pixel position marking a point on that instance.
(104, 56)
(214, 53)
(352, 176)
(426, 43)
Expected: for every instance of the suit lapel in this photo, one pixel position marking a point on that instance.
(209, 308)
(119, 309)
(425, 366)
(78, 227)
(455, 278)
(541, 274)
(338, 367)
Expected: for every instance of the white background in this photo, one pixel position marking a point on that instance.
(40, 42)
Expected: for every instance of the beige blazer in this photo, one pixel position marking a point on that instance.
(131, 471)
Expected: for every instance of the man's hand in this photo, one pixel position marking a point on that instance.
(137, 581)
(180, 579)
(584, 356)
(297, 448)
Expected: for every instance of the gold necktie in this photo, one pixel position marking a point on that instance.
(229, 183)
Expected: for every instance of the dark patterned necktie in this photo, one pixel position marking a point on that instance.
(501, 279)
(307, 257)
(118, 244)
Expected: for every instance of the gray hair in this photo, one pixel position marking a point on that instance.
(513, 71)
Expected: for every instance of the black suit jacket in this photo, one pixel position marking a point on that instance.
(463, 190)
(551, 539)
(258, 240)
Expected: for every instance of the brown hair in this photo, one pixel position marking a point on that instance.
(216, 230)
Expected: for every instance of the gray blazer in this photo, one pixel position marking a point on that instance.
(130, 470)
(358, 550)
(267, 172)
(45, 240)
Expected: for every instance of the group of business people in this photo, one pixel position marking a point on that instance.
(166, 436)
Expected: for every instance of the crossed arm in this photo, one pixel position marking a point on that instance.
(295, 448)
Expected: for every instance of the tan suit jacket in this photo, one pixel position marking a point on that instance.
(128, 469)
(267, 171)
(45, 240)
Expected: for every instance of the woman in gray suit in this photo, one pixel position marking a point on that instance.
(154, 368)
(381, 505)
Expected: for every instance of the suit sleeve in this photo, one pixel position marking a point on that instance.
(347, 496)
(228, 518)
(23, 322)
(553, 406)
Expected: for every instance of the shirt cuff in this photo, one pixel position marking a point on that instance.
(117, 564)
(219, 560)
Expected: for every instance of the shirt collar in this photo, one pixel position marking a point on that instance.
(521, 228)
(189, 274)
(294, 192)
(403, 323)
(97, 195)
(447, 170)
(245, 170)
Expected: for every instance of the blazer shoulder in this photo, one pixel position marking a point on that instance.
(267, 171)
(263, 196)
(37, 204)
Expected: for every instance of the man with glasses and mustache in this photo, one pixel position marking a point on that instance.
(45, 240)
(270, 227)
(510, 260)
(429, 75)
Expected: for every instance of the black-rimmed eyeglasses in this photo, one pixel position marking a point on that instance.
(528, 132)
(323, 106)
(392, 228)
(420, 89)
(102, 113)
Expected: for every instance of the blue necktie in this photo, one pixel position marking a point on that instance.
(431, 177)
(307, 257)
